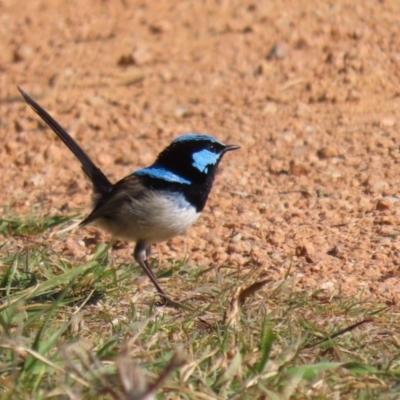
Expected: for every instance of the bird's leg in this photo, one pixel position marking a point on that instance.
(140, 255)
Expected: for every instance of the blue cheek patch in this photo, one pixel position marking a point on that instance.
(203, 158)
(161, 173)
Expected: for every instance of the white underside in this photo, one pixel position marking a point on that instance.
(158, 217)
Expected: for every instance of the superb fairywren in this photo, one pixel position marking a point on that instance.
(155, 203)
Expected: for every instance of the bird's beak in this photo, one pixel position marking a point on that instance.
(231, 147)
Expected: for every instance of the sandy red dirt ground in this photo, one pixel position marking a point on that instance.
(310, 90)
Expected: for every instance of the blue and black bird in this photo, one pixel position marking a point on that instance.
(155, 203)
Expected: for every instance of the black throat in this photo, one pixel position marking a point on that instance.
(195, 193)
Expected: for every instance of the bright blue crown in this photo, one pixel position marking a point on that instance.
(196, 136)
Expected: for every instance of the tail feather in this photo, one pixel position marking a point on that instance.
(100, 182)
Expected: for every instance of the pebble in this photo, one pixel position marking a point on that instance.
(307, 251)
(387, 122)
(353, 95)
(161, 26)
(236, 237)
(37, 180)
(182, 112)
(327, 152)
(277, 52)
(270, 108)
(11, 147)
(142, 56)
(125, 60)
(384, 204)
(328, 286)
(22, 53)
(298, 169)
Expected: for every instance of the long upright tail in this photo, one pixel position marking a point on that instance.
(100, 182)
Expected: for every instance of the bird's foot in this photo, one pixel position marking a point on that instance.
(166, 301)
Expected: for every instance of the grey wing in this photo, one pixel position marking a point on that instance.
(115, 204)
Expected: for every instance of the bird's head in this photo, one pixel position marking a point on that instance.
(194, 157)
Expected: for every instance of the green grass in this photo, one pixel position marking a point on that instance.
(15, 227)
(83, 330)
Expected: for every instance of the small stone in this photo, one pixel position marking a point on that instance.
(166, 75)
(37, 180)
(277, 52)
(277, 167)
(383, 205)
(105, 159)
(328, 286)
(142, 56)
(182, 112)
(353, 95)
(18, 126)
(307, 251)
(270, 108)
(125, 60)
(391, 199)
(288, 136)
(379, 186)
(327, 152)
(159, 27)
(237, 237)
(11, 147)
(382, 258)
(335, 251)
(387, 122)
(297, 169)
(22, 53)
(139, 56)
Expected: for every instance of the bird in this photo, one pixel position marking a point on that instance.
(152, 204)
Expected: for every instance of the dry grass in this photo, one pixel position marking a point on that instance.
(74, 330)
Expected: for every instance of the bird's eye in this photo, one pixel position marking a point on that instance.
(212, 147)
